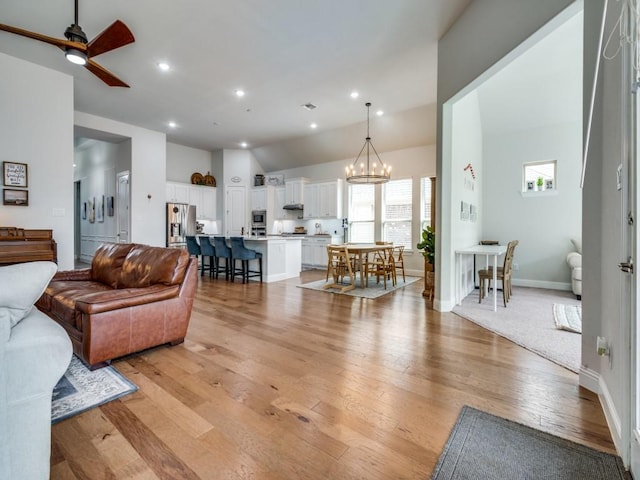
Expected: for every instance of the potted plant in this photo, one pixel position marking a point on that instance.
(540, 183)
(428, 247)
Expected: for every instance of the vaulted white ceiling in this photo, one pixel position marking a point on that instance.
(283, 53)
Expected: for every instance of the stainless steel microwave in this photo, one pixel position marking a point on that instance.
(259, 218)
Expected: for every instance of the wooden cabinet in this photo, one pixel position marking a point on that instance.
(177, 192)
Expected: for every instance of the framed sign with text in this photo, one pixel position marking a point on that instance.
(14, 174)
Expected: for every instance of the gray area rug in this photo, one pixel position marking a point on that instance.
(528, 321)
(372, 291)
(81, 389)
(483, 446)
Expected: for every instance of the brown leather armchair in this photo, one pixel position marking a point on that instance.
(133, 297)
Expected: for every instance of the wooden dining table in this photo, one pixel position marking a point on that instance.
(361, 251)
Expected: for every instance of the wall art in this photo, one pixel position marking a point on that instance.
(15, 197)
(14, 174)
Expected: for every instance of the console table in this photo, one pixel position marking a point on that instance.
(18, 245)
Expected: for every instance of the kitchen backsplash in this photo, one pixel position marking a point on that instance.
(330, 226)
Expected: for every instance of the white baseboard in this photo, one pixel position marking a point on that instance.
(592, 380)
(589, 379)
(523, 282)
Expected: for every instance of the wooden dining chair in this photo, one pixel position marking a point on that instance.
(340, 266)
(382, 265)
(503, 274)
(398, 260)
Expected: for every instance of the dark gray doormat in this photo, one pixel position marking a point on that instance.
(483, 446)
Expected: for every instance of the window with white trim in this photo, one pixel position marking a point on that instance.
(397, 207)
(427, 201)
(539, 176)
(362, 200)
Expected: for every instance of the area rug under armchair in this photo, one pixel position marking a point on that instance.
(81, 389)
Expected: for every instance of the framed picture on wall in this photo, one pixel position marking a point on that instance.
(14, 174)
(100, 209)
(110, 210)
(15, 197)
(84, 210)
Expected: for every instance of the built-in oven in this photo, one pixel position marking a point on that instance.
(259, 218)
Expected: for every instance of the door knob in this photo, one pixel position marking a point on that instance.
(626, 267)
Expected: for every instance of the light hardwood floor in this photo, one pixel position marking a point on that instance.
(279, 382)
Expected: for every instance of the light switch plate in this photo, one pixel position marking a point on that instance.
(58, 212)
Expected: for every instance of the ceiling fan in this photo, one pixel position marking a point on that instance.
(80, 51)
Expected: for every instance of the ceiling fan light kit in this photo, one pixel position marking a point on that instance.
(371, 171)
(79, 51)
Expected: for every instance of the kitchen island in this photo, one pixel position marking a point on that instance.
(281, 256)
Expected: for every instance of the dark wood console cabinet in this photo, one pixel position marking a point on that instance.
(18, 245)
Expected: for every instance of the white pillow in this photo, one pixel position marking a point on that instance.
(577, 244)
(20, 287)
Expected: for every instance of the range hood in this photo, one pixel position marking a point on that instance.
(294, 206)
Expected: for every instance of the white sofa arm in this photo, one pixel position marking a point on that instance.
(574, 259)
(36, 355)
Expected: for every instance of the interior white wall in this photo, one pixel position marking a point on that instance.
(183, 161)
(476, 43)
(147, 176)
(467, 177)
(543, 223)
(603, 313)
(36, 128)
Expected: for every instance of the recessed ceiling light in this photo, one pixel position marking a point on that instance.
(244, 144)
(239, 93)
(164, 66)
(313, 125)
(354, 94)
(74, 165)
(173, 124)
(379, 113)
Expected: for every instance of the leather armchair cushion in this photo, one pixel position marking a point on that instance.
(145, 266)
(106, 265)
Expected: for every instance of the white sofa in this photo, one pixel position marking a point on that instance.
(574, 259)
(34, 353)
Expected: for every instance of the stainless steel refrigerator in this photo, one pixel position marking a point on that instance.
(181, 222)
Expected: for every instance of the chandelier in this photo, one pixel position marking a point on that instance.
(372, 170)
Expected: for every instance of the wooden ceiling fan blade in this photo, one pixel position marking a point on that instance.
(105, 75)
(58, 42)
(114, 36)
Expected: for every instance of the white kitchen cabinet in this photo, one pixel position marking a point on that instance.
(314, 250)
(259, 198)
(209, 203)
(294, 190)
(280, 200)
(177, 192)
(307, 255)
(330, 199)
(204, 199)
(311, 202)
